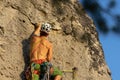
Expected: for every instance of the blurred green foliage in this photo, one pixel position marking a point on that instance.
(96, 11)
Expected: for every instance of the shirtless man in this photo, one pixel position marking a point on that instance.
(41, 49)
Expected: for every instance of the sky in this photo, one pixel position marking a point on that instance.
(111, 43)
(111, 47)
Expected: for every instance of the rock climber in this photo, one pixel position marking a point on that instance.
(41, 52)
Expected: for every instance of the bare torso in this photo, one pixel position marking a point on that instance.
(40, 49)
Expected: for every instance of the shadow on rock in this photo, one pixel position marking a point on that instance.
(25, 48)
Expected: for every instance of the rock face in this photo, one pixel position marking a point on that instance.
(74, 37)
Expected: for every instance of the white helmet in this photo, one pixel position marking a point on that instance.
(46, 27)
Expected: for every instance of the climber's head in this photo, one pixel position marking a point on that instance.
(45, 29)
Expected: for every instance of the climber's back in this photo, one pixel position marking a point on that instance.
(41, 48)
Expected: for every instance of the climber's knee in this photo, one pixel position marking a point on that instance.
(58, 77)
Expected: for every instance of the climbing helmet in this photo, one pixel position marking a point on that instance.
(46, 27)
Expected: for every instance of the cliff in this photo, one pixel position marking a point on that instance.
(74, 38)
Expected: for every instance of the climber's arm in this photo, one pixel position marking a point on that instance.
(37, 30)
(49, 55)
